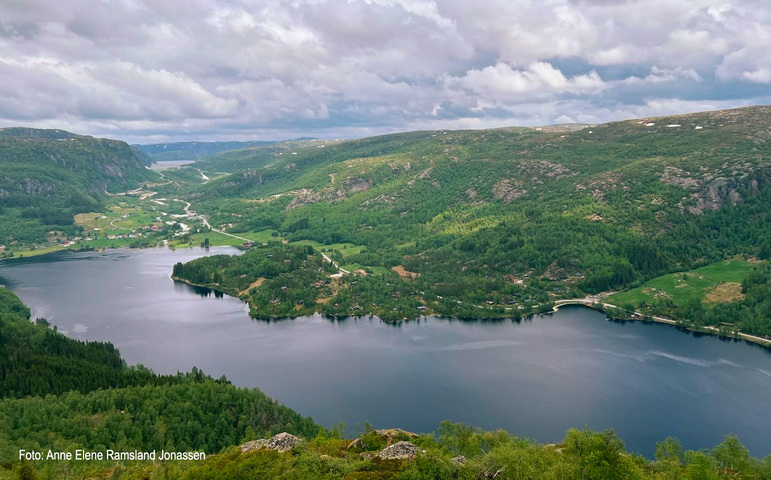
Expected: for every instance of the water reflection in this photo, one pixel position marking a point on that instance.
(536, 376)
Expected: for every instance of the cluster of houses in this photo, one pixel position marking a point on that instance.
(123, 235)
(73, 241)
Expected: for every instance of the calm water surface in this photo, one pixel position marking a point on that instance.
(536, 378)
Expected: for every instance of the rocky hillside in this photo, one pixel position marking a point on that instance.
(51, 162)
(46, 176)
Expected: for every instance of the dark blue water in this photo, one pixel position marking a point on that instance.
(536, 378)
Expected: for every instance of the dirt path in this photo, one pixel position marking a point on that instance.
(254, 284)
(341, 270)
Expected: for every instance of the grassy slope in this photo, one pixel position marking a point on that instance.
(686, 287)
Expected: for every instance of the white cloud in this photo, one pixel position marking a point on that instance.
(240, 68)
(539, 78)
(760, 75)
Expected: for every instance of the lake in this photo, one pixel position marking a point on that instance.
(534, 378)
(169, 164)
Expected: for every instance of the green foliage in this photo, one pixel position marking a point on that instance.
(198, 414)
(47, 176)
(67, 399)
(35, 360)
(499, 223)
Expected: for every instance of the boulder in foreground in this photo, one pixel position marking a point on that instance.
(282, 442)
(399, 451)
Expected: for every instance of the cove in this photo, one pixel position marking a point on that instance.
(534, 378)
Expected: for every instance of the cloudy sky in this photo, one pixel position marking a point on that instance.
(157, 70)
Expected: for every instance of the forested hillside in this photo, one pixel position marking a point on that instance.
(48, 176)
(59, 393)
(490, 223)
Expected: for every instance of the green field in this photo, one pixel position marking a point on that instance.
(376, 270)
(686, 287)
(345, 249)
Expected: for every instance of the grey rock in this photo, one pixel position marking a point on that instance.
(459, 460)
(254, 445)
(356, 184)
(399, 451)
(282, 442)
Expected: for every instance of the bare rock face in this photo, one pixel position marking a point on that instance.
(721, 191)
(399, 451)
(356, 184)
(282, 442)
(459, 460)
(36, 187)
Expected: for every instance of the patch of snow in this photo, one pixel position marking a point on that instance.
(650, 124)
(673, 125)
(698, 127)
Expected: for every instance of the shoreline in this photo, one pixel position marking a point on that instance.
(592, 304)
(706, 330)
(643, 317)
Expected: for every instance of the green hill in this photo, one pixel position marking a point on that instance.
(47, 176)
(493, 222)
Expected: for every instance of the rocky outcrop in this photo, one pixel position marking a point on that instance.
(678, 178)
(357, 184)
(721, 191)
(389, 434)
(32, 186)
(392, 433)
(718, 193)
(282, 442)
(715, 189)
(508, 190)
(254, 445)
(399, 451)
(310, 197)
(459, 460)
